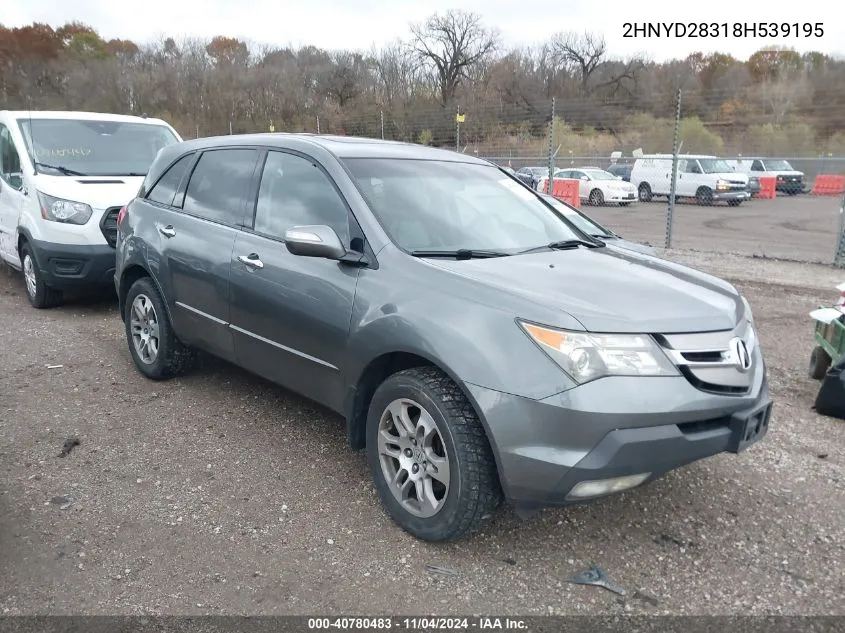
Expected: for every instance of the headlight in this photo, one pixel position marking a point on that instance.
(749, 315)
(67, 211)
(585, 356)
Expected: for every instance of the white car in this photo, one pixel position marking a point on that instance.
(599, 186)
(706, 178)
(64, 177)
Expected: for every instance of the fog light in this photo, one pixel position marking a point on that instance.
(600, 487)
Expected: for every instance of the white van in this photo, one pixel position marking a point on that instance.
(787, 179)
(64, 177)
(705, 178)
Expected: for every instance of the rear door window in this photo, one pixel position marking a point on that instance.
(220, 184)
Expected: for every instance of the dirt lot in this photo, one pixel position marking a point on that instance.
(219, 493)
(801, 228)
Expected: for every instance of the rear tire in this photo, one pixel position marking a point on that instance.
(644, 192)
(155, 349)
(819, 363)
(40, 295)
(431, 462)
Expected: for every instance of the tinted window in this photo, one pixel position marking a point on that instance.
(295, 192)
(10, 163)
(219, 185)
(757, 166)
(167, 185)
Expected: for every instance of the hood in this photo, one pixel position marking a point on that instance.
(610, 289)
(620, 242)
(785, 172)
(101, 192)
(736, 176)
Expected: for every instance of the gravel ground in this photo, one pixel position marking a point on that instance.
(801, 228)
(220, 493)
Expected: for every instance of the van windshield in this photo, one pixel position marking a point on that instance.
(714, 165)
(93, 148)
(445, 205)
(777, 165)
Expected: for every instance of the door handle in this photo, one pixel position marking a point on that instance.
(252, 260)
(167, 231)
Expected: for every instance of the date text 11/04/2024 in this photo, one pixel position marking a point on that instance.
(723, 29)
(418, 623)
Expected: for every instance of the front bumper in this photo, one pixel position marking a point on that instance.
(731, 194)
(73, 265)
(613, 427)
(620, 196)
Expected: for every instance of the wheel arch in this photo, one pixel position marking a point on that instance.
(376, 371)
(129, 276)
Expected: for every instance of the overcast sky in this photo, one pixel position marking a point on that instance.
(359, 24)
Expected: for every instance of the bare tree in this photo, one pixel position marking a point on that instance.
(584, 55)
(452, 44)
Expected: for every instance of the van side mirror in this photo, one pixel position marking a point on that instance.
(314, 241)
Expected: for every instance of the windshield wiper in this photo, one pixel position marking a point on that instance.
(563, 245)
(604, 236)
(461, 253)
(62, 170)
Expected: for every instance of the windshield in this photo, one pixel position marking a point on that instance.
(93, 148)
(440, 205)
(777, 165)
(580, 221)
(599, 174)
(714, 165)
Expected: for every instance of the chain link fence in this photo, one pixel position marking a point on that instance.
(800, 221)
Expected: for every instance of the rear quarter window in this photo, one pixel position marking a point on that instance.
(167, 186)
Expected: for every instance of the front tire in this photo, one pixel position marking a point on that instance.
(644, 192)
(40, 295)
(704, 196)
(431, 461)
(596, 198)
(155, 349)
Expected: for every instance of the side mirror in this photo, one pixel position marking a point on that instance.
(314, 241)
(585, 177)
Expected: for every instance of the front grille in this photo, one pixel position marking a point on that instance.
(108, 225)
(709, 361)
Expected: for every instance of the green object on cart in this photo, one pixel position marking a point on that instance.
(830, 347)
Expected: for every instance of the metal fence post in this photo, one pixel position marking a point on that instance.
(839, 258)
(551, 177)
(318, 124)
(381, 115)
(230, 128)
(458, 129)
(670, 212)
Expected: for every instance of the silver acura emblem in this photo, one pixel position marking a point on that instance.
(740, 355)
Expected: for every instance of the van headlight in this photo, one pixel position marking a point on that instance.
(585, 356)
(61, 210)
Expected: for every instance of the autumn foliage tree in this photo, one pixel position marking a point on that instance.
(775, 101)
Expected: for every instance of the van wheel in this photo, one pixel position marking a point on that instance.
(596, 198)
(644, 192)
(819, 363)
(734, 203)
(156, 351)
(431, 461)
(704, 196)
(40, 295)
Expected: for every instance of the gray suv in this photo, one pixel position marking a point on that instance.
(479, 345)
